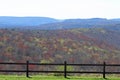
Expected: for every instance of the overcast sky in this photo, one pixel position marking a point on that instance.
(61, 9)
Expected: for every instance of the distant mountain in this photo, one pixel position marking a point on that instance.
(24, 21)
(83, 23)
(117, 19)
(45, 23)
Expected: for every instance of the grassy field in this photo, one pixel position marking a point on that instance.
(15, 77)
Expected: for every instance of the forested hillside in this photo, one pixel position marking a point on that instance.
(56, 46)
(48, 40)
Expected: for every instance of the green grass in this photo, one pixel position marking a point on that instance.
(16, 77)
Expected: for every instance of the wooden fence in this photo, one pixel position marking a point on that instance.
(65, 64)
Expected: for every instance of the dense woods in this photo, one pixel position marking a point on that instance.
(55, 46)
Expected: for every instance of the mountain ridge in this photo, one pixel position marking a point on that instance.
(46, 23)
(24, 21)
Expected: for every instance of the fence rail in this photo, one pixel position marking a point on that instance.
(65, 64)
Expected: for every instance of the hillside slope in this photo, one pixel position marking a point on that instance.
(74, 46)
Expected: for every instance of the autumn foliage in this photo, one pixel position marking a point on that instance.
(55, 46)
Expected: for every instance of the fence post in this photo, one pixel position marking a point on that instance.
(104, 71)
(27, 69)
(65, 69)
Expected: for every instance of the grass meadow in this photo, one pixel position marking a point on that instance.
(42, 77)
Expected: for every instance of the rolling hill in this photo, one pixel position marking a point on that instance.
(45, 23)
(75, 45)
(83, 23)
(47, 40)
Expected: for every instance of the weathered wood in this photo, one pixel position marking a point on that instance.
(104, 71)
(65, 64)
(65, 69)
(27, 69)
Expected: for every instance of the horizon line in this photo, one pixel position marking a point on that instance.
(61, 18)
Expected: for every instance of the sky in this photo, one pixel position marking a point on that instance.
(61, 9)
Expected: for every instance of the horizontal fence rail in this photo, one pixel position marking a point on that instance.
(65, 64)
